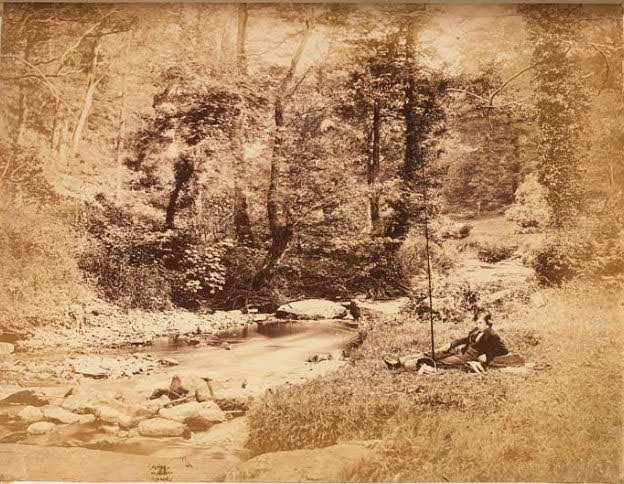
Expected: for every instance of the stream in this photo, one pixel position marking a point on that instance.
(251, 360)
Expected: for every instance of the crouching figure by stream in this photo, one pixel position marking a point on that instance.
(482, 347)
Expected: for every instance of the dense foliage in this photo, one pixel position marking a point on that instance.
(238, 171)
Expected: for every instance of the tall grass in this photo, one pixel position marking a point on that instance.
(561, 421)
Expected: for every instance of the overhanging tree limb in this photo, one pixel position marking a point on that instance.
(42, 75)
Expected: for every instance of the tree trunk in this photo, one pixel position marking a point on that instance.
(121, 125)
(88, 100)
(373, 166)
(241, 35)
(171, 206)
(22, 114)
(402, 211)
(55, 123)
(22, 109)
(242, 222)
(280, 227)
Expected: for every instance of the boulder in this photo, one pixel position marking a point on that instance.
(311, 309)
(182, 412)
(168, 362)
(6, 348)
(209, 415)
(59, 415)
(31, 414)
(78, 404)
(108, 414)
(162, 427)
(147, 408)
(40, 428)
(89, 367)
(24, 397)
(199, 386)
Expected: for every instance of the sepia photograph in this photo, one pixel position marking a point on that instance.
(271, 242)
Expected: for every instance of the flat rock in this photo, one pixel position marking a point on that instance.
(230, 435)
(31, 414)
(112, 416)
(168, 362)
(181, 413)
(328, 464)
(59, 415)
(162, 427)
(86, 419)
(90, 368)
(40, 428)
(311, 309)
(78, 404)
(209, 415)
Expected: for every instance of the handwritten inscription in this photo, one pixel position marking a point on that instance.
(161, 473)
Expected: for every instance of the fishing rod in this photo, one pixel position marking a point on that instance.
(426, 227)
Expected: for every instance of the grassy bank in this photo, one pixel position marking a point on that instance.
(561, 421)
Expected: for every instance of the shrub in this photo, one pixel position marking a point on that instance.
(553, 264)
(241, 263)
(412, 256)
(455, 230)
(530, 209)
(592, 251)
(454, 303)
(345, 267)
(493, 252)
(135, 264)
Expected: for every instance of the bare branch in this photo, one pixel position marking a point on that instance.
(296, 86)
(515, 76)
(42, 75)
(607, 67)
(34, 76)
(467, 92)
(77, 44)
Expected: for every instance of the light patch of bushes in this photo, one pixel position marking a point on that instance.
(530, 209)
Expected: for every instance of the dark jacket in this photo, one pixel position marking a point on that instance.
(482, 342)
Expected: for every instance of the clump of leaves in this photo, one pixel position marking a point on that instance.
(492, 252)
(453, 303)
(200, 272)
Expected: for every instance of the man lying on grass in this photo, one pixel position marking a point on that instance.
(480, 347)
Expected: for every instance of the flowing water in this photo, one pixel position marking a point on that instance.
(244, 363)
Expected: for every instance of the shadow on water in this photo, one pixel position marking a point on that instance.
(247, 332)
